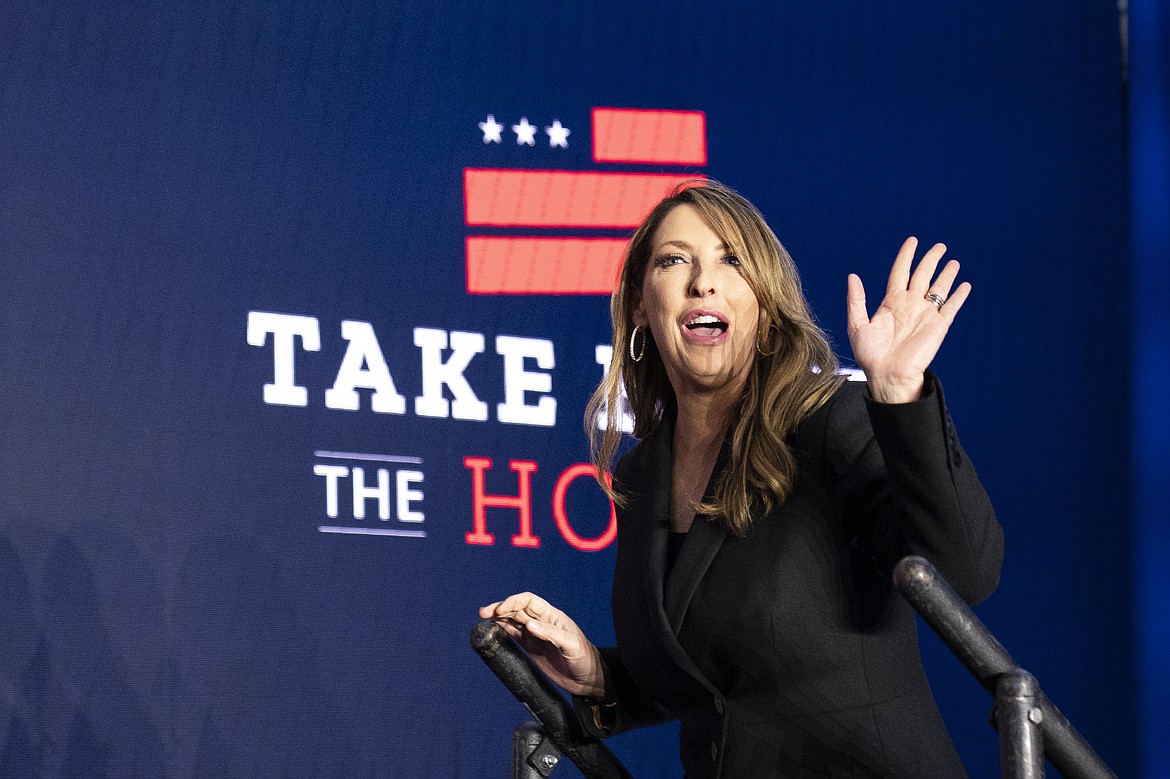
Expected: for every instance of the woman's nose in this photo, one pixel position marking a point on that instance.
(702, 280)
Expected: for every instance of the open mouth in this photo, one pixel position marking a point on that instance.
(706, 324)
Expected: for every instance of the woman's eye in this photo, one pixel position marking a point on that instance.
(731, 259)
(669, 259)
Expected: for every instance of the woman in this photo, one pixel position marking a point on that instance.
(764, 507)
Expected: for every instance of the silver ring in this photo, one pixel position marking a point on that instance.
(935, 298)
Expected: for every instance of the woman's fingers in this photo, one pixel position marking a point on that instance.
(920, 281)
(521, 603)
(896, 346)
(552, 640)
(906, 288)
(529, 611)
(955, 302)
(511, 628)
(856, 314)
(900, 272)
(489, 611)
(567, 641)
(942, 285)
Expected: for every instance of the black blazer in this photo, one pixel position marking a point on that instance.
(787, 653)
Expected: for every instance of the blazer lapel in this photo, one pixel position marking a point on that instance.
(702, 544)
(698, 551)
(654, 517)
(670, 599)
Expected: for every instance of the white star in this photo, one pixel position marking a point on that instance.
(491, 130)
(557, 135)
(525, 132)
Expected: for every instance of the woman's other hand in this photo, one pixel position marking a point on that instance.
(896, 345)
(553, 641)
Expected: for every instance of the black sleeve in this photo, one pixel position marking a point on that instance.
(629, 710)
(911, 489)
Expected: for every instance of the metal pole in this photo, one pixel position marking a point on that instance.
(970, 641)
(519, 674)
(1018, 717)
(534, 756)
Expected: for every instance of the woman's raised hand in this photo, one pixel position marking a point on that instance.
(553, 641)
(895, 347)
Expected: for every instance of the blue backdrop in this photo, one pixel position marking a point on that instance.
(199, 199)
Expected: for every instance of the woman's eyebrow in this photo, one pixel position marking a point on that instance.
(687, 247)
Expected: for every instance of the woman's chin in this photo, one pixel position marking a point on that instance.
(710, 379)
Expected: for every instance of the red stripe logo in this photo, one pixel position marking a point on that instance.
(562, 198)
(655, 137)
(591, 200)
(546, 266)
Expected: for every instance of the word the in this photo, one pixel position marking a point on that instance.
(374, 486)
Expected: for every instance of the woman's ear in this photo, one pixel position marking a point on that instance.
(639, 314)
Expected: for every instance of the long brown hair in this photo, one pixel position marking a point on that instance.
(793, 374)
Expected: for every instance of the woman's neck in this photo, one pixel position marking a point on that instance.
(701, 423)
(699, 431)
(705, 412)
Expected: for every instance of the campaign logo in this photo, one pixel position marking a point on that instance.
(583, 207)
(555, 232)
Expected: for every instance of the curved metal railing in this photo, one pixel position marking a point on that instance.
(1030, 725)
(537, 747)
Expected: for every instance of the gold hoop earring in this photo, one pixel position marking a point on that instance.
(641, 352)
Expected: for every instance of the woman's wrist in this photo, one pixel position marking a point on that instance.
(889, 390)
(597, 689)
